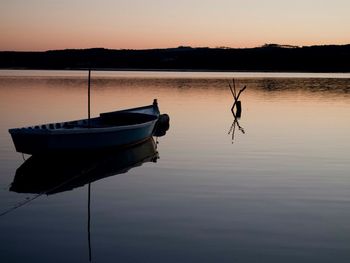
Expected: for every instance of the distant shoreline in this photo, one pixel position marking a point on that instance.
(270, 58)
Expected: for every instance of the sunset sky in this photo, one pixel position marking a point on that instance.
(136, 24)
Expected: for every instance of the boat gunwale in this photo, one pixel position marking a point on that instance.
(81, 130)
(31, 130)
(151, 106)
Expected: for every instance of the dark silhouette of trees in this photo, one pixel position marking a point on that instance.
(270, 57)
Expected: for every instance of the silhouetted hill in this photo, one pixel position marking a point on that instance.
(272, 57)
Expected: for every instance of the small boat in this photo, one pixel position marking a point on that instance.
(109, 130)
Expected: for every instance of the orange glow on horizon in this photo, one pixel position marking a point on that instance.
(133, 24)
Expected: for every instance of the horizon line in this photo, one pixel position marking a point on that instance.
(266, 45)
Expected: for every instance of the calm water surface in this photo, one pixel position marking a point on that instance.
(276, 191)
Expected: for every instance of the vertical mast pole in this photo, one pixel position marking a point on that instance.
(89, 82)
(89, 220)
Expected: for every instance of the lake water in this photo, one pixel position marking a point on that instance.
(278, 191)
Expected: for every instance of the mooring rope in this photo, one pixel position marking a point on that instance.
(28, 200)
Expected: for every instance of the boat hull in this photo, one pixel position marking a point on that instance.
(84, 140)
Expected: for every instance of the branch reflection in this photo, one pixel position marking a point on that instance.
(235, 124)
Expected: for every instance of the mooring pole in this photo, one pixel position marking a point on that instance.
(237, 103)
(89, 82)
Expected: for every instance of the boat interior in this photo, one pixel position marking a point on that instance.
(105, 120)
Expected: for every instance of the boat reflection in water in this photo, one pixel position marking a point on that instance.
(54, 173)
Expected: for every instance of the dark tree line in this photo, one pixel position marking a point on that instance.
(331, 58)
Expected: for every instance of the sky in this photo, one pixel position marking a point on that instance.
(32, 25)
